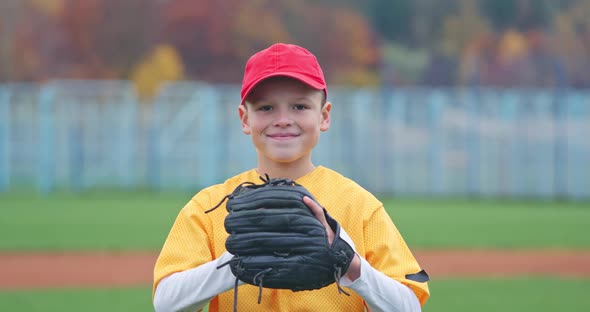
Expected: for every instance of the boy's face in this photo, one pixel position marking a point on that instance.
(284, 117)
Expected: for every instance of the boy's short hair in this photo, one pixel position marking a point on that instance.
(251, 94)
(287, 60)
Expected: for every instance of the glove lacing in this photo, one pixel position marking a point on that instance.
(236, 191)
(267, 181)
(236, 259)
(259, 276)
(337, 277)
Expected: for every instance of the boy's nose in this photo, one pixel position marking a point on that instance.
(283, 119)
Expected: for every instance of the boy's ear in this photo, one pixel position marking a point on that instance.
(326, 109)
(243, 113)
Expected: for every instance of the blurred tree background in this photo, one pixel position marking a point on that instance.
(504, 43)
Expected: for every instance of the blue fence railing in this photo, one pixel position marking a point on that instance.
(458, 142)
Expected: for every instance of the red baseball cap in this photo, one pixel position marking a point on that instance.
(282, 59)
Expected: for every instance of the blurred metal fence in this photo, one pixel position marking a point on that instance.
(457, 142)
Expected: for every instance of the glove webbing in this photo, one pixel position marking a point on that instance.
(267, 181)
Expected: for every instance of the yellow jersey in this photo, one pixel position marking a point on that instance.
(197, 238)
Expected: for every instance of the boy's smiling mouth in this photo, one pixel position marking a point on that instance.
(283, 136)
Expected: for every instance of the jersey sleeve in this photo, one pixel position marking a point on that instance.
(187, 244)
(387, 252)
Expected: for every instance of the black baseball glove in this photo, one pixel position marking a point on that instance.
(276, 240)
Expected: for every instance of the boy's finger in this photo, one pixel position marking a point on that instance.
(315, 208)
(318, 212)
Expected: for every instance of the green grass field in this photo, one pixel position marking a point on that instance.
(140, 221)
(89, 300)
(122, 221)
(492, 224)
(482, 295)
(109, 221)
(525, 294)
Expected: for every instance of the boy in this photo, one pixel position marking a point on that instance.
(284, 108)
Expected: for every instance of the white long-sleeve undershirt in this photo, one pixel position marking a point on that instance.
(190, 290)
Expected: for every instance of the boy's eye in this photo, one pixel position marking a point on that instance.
(300, 106)
(265, 108)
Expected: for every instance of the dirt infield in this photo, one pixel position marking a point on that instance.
(49, 270)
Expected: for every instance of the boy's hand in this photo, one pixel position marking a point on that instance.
(318, 212)
(354, 270)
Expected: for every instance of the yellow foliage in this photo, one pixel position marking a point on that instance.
(162, 64)
(359, 77)
(256, 23)
(357, 30)
(512, 46)
(49, 7)
(408, 62)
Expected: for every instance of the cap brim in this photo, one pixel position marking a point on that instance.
(305, 79)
